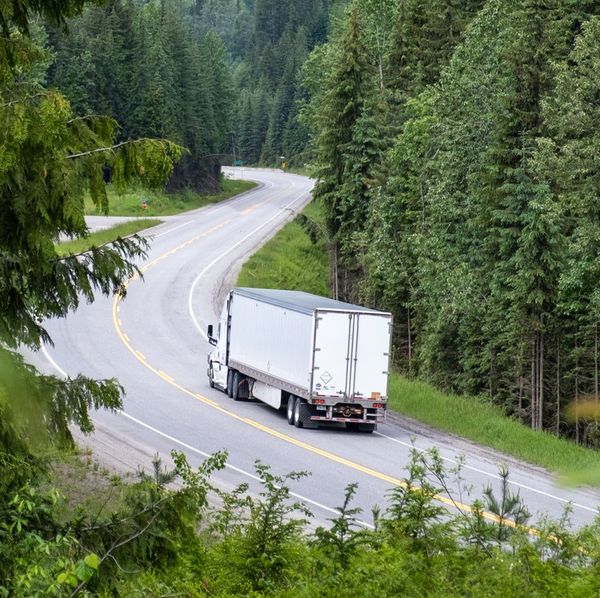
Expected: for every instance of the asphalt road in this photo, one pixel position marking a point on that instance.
(153, 341)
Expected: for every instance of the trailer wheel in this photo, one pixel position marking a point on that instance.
(290, 409)
(298, 412)
(229, 383)
(367, 428)
(235, 386)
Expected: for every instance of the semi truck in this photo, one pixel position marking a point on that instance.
(321, 360)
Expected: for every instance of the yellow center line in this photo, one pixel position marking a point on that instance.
(394, 481)
(166, 376)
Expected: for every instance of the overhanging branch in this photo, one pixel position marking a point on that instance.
(109, 148)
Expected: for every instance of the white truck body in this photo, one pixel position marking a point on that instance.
(329, 356)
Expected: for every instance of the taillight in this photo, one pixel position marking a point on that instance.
(377, 405)
(319, 401)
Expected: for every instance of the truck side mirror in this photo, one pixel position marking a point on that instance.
(211, 340)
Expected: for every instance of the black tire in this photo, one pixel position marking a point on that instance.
(367, 428)
(298, 411)
(230, 383)
(235, 386)
(290, 409)
(211, 381)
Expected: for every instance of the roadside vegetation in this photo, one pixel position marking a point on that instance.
(139, 201)
(291, 260)
(156, 535)
(144, 203)
(104, 236)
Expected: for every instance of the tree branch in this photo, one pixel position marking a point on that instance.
(22, 100)
(86, 117)
(110, 148)
(118, 545)
(85, 252)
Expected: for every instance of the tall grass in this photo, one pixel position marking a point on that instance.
(487, 425)
(143, 202)
(291, 261)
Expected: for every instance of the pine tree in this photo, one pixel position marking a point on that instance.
(567, 157)
(423, 39)
(340, 185)
(50, 158)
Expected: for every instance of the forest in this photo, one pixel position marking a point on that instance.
(454, 148)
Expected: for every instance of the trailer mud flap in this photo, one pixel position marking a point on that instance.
(305, 417)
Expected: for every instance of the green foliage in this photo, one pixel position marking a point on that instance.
(508, 507)
(343, 541)
(413, 512)
(476, 419)
(269, 89)
(50, 157)
(37, 410)
(262, 549)
(477, 229)
(150, 542)
(146, 67)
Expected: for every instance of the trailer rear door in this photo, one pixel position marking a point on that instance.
(351, 354)
(371, 356)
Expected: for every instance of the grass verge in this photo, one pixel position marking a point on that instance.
(104, 236)
(159, 203)
(84, 486)
(487, 425)
(290, 260)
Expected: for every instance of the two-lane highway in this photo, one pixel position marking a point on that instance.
(154, 342)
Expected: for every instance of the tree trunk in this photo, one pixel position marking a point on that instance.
(334, 272)
(521, 375)
(409, 335)
(537, 382)
(533, 405)
(557, 389)
(596, 369)
(540, 416)
(577, 439)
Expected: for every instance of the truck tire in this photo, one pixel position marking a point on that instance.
(230, 383)
(235, 386)
(290, 409)
(367, 428)
(211, 380)
(298, 413)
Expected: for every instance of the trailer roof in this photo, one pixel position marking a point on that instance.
(301, 301)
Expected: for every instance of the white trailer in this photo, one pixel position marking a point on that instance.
(323, 360)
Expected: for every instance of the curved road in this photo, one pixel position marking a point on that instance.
(153, 341)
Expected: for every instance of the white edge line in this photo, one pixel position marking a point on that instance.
(53, 363)
(170, 230)
(494, 476)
